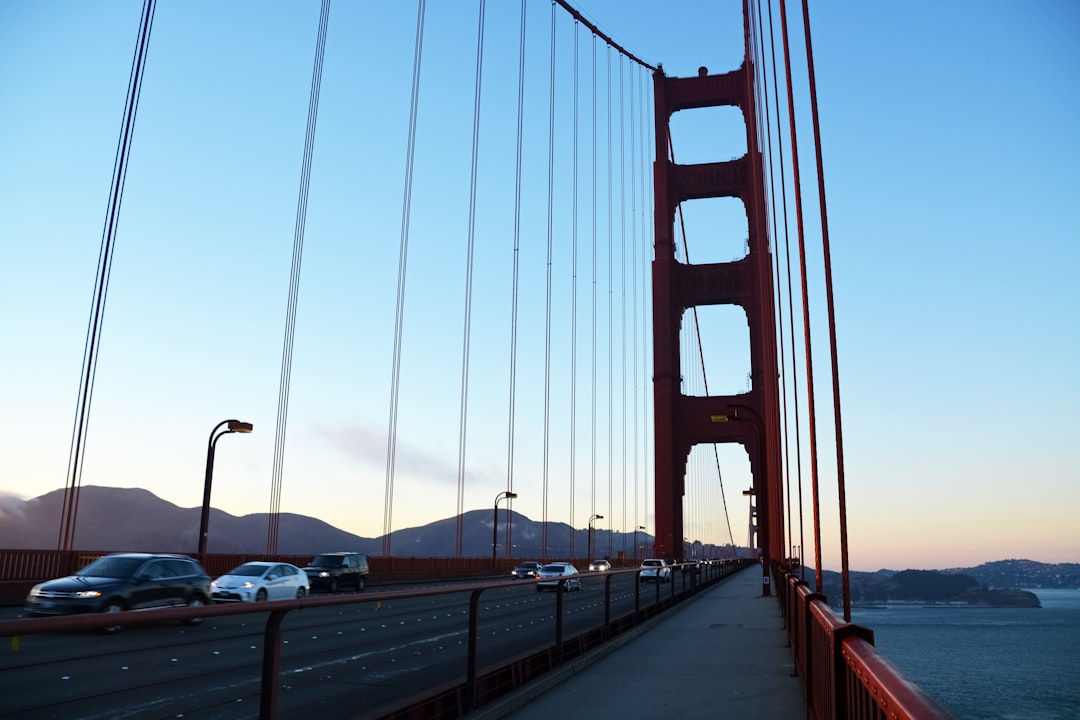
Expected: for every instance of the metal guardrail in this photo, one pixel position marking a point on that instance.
(844, 676)
(482, 684)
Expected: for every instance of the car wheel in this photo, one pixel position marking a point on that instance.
(196, 602)
(113, 606)
(360, 583)
(261, 595)
(301, 593)
(333, 584)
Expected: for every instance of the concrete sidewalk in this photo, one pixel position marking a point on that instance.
(722, 655)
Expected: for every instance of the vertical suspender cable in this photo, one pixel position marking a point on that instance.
(790, 299)
(547, 310)
(470, 250)
(622, 282)
(766, 122)
(842, 492)
(73, 482)
(633, 297)
(514, 292)
(645, 140)
(574, 301)
(274, 517)
(403, 255)
(610, 314)
(812, 419)
(592, 501)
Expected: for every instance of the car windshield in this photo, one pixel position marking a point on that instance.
(248, 570)
(327, 561)
(557, 569)
(651, 563)
(113, 567)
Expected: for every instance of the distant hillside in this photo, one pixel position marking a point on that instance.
(961, 586)
(1024, 574)
(112, 519)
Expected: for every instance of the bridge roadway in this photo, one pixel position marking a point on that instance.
(721, 655)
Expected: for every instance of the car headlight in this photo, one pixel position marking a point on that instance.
(88, 594)
(324, 574)
(248, 585)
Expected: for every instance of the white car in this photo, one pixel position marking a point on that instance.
(550, 575)
(258, 581)
(599, 566)
(654, 569)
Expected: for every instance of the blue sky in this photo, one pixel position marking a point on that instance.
(949, 144)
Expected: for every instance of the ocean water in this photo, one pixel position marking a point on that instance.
(988, 663)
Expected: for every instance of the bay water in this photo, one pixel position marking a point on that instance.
(988, 663)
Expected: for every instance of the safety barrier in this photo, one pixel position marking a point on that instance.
(843, 675)
(482, 684)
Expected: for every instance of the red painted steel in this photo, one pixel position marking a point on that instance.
(682, 421)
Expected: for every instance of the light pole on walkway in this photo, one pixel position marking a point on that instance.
(233, 426)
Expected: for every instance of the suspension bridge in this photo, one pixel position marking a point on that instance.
(503, 253)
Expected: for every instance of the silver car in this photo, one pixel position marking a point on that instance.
(258, 581)
(552, 574)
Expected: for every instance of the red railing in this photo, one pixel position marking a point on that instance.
(844, 676)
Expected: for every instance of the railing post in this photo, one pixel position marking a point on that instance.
(560, 589)
(271, 667)
(840, 667)
(607, 602)
(474, 629)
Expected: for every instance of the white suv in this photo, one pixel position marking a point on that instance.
(654, 569)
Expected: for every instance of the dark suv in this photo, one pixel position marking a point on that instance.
(124, 581)
(336, 570)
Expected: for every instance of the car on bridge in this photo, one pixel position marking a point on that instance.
(124, 581)
(552, 574)
(655, 570)
(526, 570)
(258, 581)
(599, 566)
(335, 570)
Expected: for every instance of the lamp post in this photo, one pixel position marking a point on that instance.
(231, 426)
(495, 523)
(594, 517)
(637, 548)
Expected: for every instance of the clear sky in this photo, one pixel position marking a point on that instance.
(950, 148)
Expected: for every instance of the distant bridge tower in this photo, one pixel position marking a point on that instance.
(750, 418)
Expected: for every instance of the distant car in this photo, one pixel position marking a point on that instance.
(655, 570)
(599, 566)
(336, 570)
(690, 566)
(259, 581)
(526, 570)
(550, 575)
(124, 581)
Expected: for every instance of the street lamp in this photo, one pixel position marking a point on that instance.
(637, 549)
(495, 523)
(231, 426)
(594, 517)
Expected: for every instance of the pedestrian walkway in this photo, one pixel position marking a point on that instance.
(720, 656)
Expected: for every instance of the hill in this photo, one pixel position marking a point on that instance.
(969, 586)
(111, 519)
